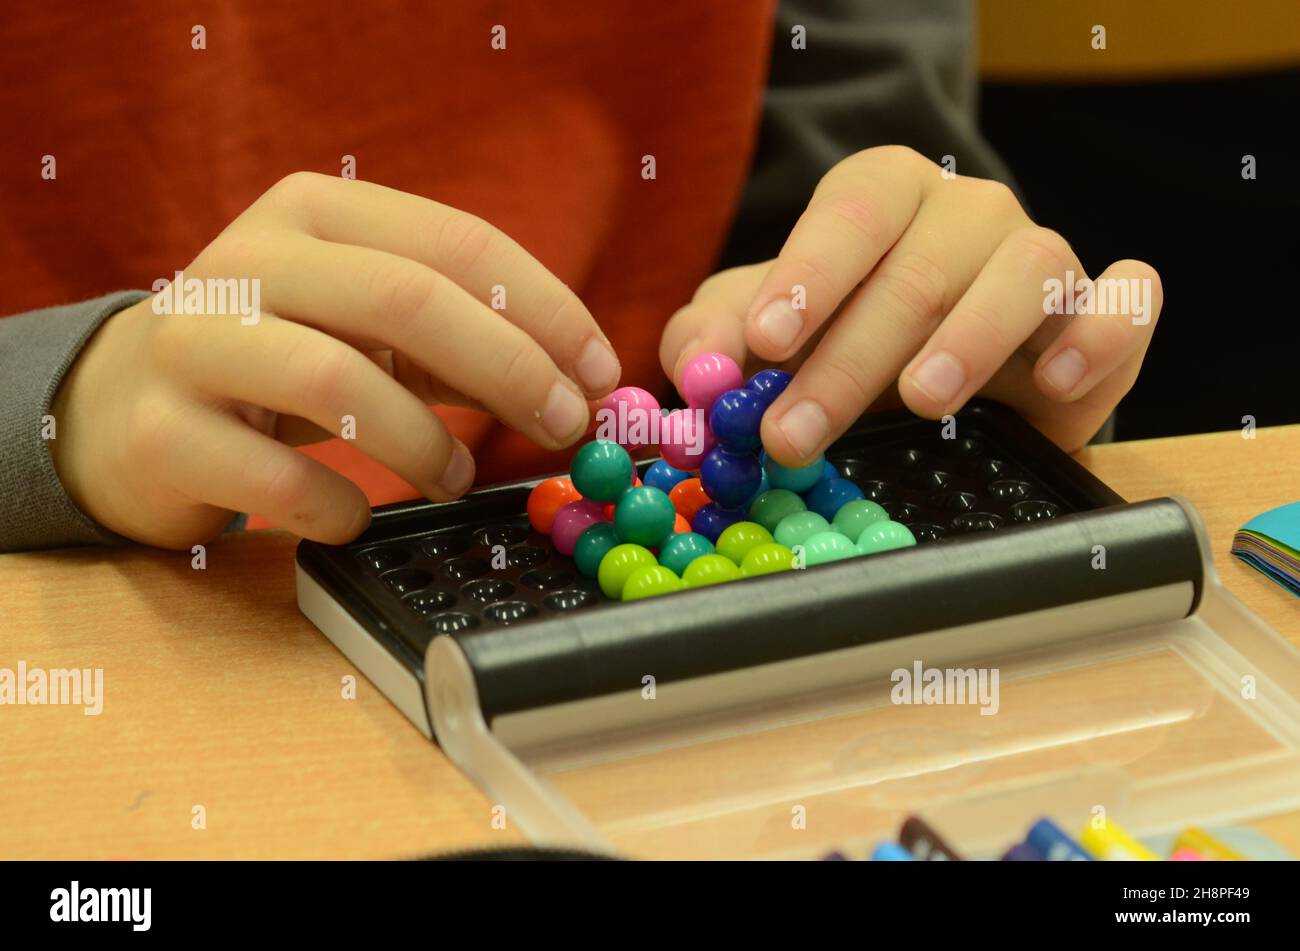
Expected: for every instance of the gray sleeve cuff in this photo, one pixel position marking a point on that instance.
(36, 350)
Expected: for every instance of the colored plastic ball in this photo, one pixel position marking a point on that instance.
(685, 438)
(663, 477)
(571, 521)
(649, 582)
(854, 518)
(617, 566)
(628, 417)
(827, 497)
(707, 377)
(680, 524)
(769, 384)
(885, 536)
(736, 540)
(710, 569)
(730, 478)
(763, 486)
(593, 545)
(797, 528)
(602, 470)
(711, 521)
(688, 497)
(829, 472)
(796, 480)
(735, 420)
(644, 516)
(680, 550)
(547, 498)
(826, 547)
(766, 560)
(773, 505)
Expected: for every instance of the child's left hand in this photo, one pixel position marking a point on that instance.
(934, 283)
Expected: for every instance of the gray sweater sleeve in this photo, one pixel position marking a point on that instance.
(873, 72)
(36, 350)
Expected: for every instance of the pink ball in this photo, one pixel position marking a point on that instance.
(707, 377)
(627, 417)
(685, 438)
(572, 520)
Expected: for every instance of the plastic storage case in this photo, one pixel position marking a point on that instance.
(764, 717)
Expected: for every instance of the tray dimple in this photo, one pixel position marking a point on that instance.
(471, 576)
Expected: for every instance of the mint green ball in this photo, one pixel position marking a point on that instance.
(856, 517)
(825, 547)
(885, 536)
(793, 529)
(773, 505)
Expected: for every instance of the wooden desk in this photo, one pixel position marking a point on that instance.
(219, 693)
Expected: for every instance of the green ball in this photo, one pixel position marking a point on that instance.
(853, 518)
(766, 560)
(773, 505)
(680, 550)
(617, 566)
(736, 540)
(649, 582)
(644, 515)
(710, 569)
(592, 546)
(793, 529)
(885, 536)
(825, 547)
(602, 470)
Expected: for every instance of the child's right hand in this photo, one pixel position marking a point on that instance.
(374, 303)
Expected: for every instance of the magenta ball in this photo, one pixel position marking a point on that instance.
(627, 417)
(685, 439)
(707, 377)
(571, 521)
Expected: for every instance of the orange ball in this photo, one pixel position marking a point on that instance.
(680, 525)
(547, 498)
(688, 497)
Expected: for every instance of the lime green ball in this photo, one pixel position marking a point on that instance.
(644, 515)
(766, 560)
(617, 566)
(650, 581)
(853, 518)
(825, 547)
(773, 505)
(885, 536)
(592, 546)
(602, 470)
(736, 540)
(680, 550)
(794, 529)
(710, 569)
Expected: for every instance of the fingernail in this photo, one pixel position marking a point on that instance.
(597, 368)
(459, 474)
(779, 324)
(1065, 371)
(940, 377)
(564, 414)
(806, 426)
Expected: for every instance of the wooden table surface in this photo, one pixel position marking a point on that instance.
(219, 693)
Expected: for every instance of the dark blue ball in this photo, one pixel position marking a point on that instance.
(769, 384)
(735, 419)
(826, 497)
(711, 521)
(730, 479)
(663, 477)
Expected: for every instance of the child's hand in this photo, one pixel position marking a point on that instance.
(373, 304)
(934, 284)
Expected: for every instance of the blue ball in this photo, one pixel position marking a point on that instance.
(796, 480)
(826, 497)
(710, 521)
(663, 477)
(763, 486)
(730, 478)
(735, 419)
(769, 384)
(828, 472)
